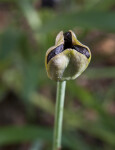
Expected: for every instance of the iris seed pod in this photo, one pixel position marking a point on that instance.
(68, 58)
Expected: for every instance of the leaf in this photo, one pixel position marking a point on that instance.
(42, 102)
(100, 73)
(14, 134)
(105, 5)
(99, 4)
(88, 20)
(8, 43)
(30, 13)
(37, 145)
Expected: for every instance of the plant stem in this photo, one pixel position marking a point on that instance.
(59, 115)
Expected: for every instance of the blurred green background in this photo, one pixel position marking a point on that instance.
(27, 97)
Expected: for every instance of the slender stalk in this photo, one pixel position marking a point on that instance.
(59, 115)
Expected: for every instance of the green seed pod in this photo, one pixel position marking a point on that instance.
(68, 58)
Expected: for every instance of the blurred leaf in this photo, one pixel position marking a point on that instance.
(12, 79)
(89, 101)
(88, 20)
(42, 102)
(110, 94)
(100, 73)
(15, 134)
(37, 145)
(99, 4)
(31, 15)
(102, 133)
(30, 77)
(76, 142)
(82, 94)
(104, 5)
(8, 43)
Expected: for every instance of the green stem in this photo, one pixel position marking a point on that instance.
(59, 115)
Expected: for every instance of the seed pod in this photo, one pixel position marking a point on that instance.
(68, 58)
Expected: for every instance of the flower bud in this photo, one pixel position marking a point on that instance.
(68, 58)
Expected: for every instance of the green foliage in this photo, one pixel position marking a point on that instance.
(88, 20)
